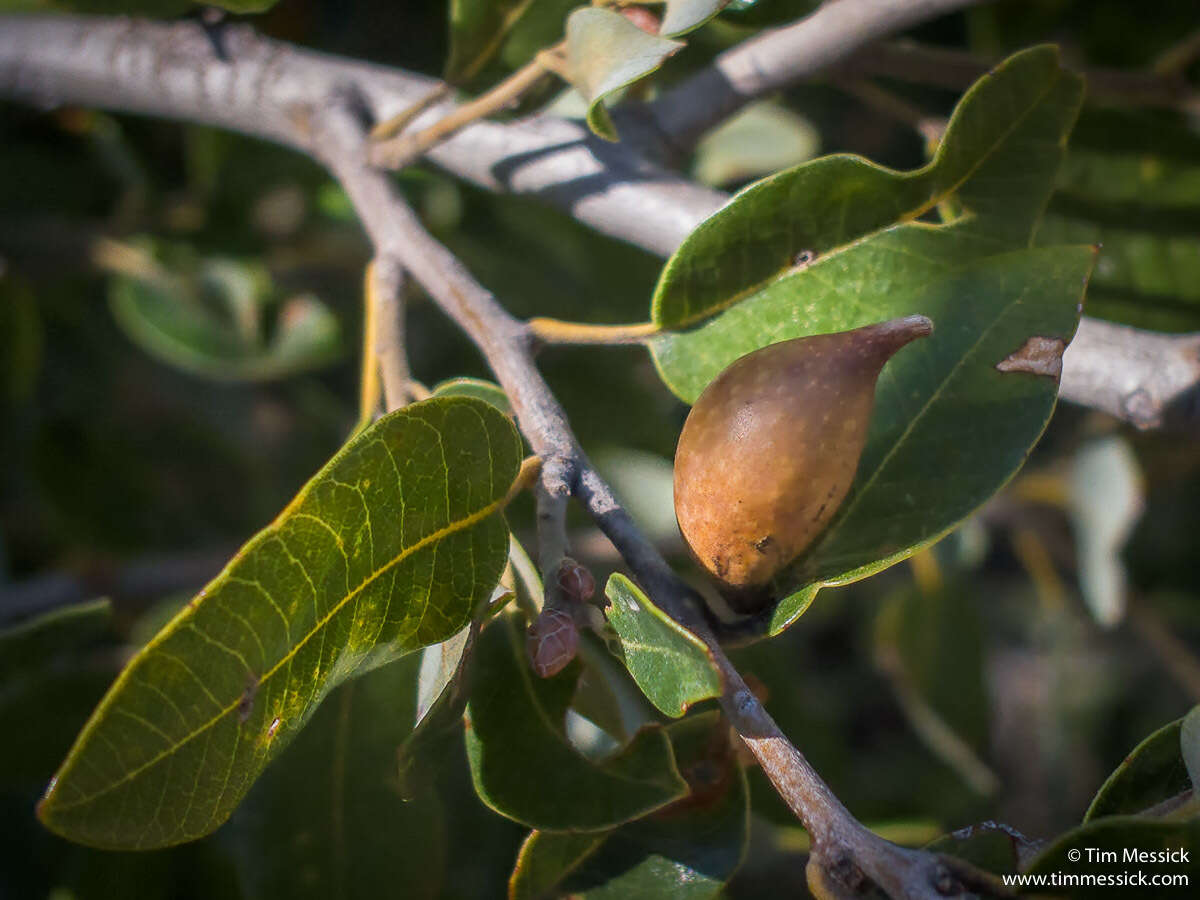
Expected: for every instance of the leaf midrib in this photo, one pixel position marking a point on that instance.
(934, 395)
(433, 537)
(903, 218)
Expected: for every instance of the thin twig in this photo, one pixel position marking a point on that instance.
(400, 151)
(1176, 58)
(369, 391)
(402, 119)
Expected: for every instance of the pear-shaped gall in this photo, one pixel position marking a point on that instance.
(770, 448)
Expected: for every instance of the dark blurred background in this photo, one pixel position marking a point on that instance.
(976, 683)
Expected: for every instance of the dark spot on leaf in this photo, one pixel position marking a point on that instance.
(762, 544)
(246, 703)
(804, 258)
(1037, 356)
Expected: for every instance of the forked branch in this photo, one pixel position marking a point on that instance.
(845, 853)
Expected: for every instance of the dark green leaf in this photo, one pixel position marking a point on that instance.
(1189, 746)
(53, 669)
(487, 391)
(996, 163)
(389, 548)
(1131, 184)
(547, 857)
(670, 664)
(930, 644)
(20, 341)
(606, 52)
(1153, 771)
(210, 319)
(328, 819)
(989, 847)
(29, 644)
(522, 764)
(441, 701)
(686, 851)
(949, 391)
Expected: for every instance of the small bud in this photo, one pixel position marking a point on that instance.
(576, 581)
(551, 642)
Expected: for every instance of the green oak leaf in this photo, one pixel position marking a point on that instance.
(389, 548)
(606, 52)
(995, 167)
(670, 664)
(488, 391)
(1153, 771)
(687, 851)
(211, 318)
(1131, 183)
(930, 644)
(524, 767)
(53, 669)
(323, 820)
(965, 388)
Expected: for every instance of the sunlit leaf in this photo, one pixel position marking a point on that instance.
(522, 764)
(389, 548)
(671, 665)
(606, 52)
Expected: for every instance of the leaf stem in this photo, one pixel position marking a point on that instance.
(385, 288)
(556, 331)
(397, 123)
(369, 392)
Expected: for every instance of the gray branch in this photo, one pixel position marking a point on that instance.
(235, 79)
(783, 56)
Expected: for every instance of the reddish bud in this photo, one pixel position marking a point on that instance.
(576, 581)
(642, 18)
(551, 642)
